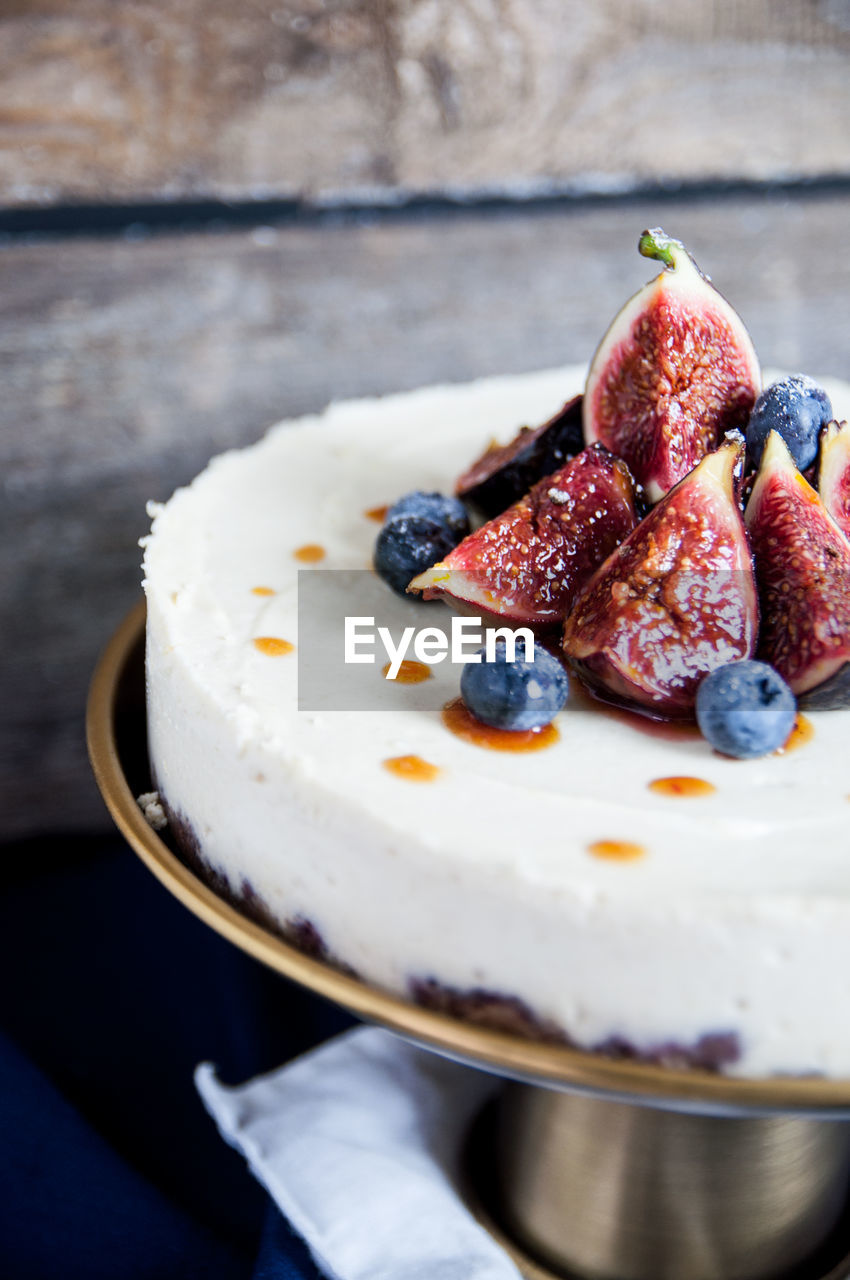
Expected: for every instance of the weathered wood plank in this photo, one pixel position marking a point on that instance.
(124, 365)
(334, 99)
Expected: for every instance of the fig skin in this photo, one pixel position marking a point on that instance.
(803, 574)
(675, 371)
(505, 473)
(527, 565)
(675, 601)
(834, 473)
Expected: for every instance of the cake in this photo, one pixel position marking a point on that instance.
(577, 893)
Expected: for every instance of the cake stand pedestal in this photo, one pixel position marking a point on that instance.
(636, 1192)
(588, 1168)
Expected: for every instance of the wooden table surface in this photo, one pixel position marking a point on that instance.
(127, 362)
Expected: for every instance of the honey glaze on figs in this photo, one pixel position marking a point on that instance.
(675, 371)
(527, 565)
(803, 572)
(674, 601)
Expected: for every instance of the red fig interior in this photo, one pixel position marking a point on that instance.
(676, 600)
(505, 473)
(527, 564)
(803, 572)
(675, 371)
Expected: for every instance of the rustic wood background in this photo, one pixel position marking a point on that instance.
(376, 99)
(124, 364)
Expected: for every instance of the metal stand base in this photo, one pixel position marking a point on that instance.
(578, 1186)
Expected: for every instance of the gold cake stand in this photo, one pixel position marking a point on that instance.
(594, 1167)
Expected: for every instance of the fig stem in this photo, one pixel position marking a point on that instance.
(655, 243)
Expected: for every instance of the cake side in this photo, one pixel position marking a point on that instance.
(481, 886)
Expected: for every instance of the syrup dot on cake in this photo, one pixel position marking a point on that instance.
(410, 672)
(463, 724)
(379, 514)
(616, 850)
(273, 646)
(262, 591)
(310, 553)
(681, 786)
(412, 768)
(802, 732)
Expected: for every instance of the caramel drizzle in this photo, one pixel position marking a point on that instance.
(273, 646)
(616, 850)
(681, 786)
(412, 768)
(463, 724)
(802, 732)
(310, 553)
(409, 672)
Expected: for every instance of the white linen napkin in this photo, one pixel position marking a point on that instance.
(358, 1143)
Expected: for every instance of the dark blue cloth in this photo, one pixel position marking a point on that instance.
(111, 994)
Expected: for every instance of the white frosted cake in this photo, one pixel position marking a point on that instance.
(570, 892)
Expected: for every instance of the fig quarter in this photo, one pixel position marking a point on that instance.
(675, 371)
(674, 601)
(527, 564)
(803, 573)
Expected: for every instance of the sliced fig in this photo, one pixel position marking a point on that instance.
(676, 600)
(834, 473)
(527, 565)
(803, 573)
(504, 473)
(675, 371)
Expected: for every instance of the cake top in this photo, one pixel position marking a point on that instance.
(584, 815)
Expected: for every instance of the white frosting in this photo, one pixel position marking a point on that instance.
(736, 919)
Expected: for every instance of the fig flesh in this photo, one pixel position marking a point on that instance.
(675, 371)
(527, 564)
(505, 473)
(803, 573)
(834, 473)
(675, 601)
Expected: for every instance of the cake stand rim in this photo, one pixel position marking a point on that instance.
(525, 1060)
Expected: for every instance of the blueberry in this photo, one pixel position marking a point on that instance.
(514, 695)
(408, 545)
(435, 506)
(745, 709)
(797, 408)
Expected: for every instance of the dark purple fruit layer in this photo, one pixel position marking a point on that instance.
(710, 1052)
(505, 473)
(486, 1009)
